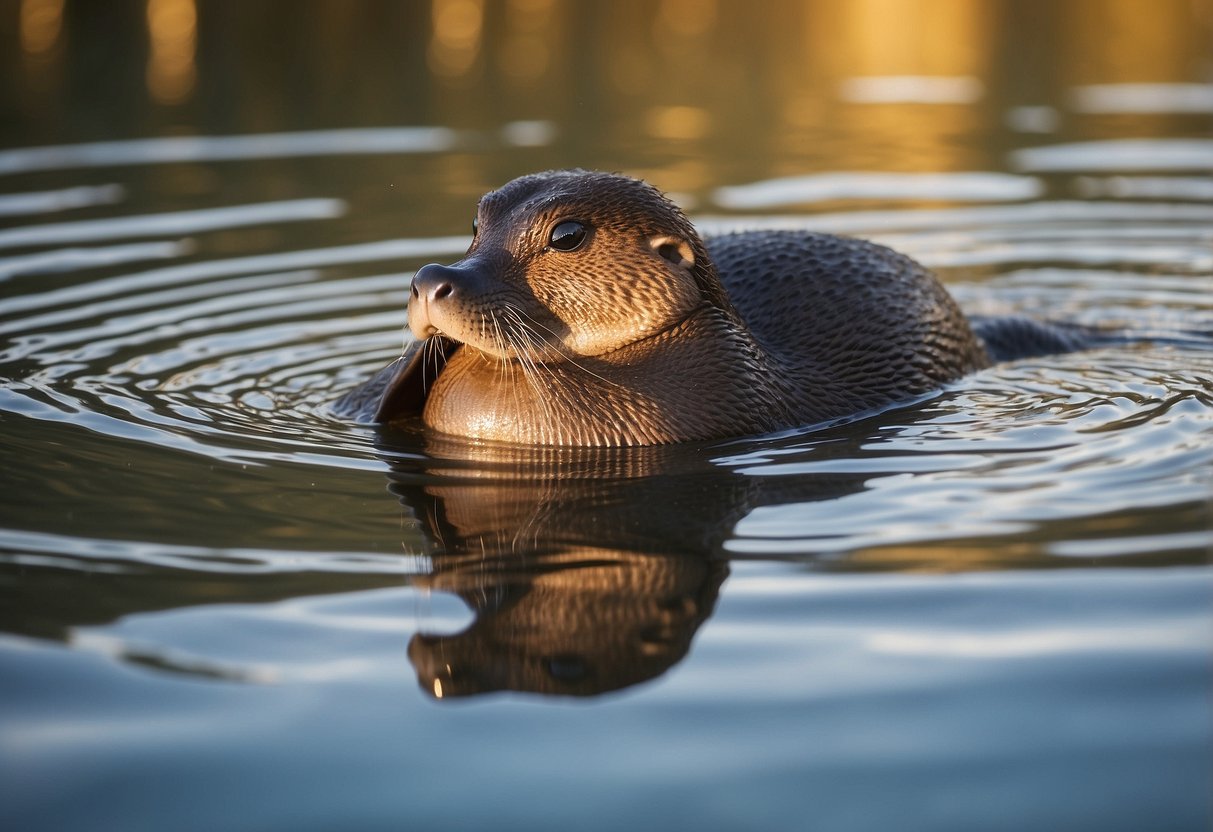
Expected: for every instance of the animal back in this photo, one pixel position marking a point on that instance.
(854, 325)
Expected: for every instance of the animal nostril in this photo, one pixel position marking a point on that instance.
(434, 283)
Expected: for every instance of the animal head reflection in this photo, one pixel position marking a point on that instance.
(576, 622)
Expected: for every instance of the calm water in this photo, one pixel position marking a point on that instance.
(225, 609)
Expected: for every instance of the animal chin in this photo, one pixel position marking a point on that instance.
(419, 322)
(406, 393)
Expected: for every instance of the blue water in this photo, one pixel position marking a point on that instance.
(222, 607)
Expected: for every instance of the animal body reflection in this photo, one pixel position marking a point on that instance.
(588, 570)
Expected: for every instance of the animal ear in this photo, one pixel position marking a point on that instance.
(674, 249)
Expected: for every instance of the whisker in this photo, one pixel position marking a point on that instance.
(563, 351)
(525, 342)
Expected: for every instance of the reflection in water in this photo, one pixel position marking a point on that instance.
(184, 506)
(526, 43)
(1146, 187)
(172, 26)
(892, 37)
(822, 187)
(1143, 98)
(1117, 155)
(741, 95)
(583, 577)
(178, 149)
(202, 587)
(577, 621)
(680, 123)
(588, 570)
(1130, 44)
(455, 42)
(41, 24)
(912, 89)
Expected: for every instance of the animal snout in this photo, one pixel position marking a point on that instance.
(434, 283)
(436, 292)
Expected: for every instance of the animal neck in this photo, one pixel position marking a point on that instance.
(674, 386)
(712, 289)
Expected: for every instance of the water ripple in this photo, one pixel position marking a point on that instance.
(63, 199)
(180, 222)
(1004, 451)
(234, 360)
(79, 259)
(228, 148)
(977, 186)
(1143, 98)
(384, 250)
(1117, 155)
(1170, 235)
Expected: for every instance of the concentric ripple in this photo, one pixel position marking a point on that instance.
(1117, 435)
(235, 358)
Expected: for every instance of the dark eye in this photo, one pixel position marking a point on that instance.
(475, 225)
(567, 236)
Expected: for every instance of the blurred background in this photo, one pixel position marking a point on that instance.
(690, 93)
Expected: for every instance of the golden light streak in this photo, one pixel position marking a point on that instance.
(456, 38)
(526, 52)
(678, 122)
(41, 25)
(684, 18)
(173, 28)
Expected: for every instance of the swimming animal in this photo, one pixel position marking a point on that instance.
(589, 312)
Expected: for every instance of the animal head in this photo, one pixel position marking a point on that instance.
(567, 264)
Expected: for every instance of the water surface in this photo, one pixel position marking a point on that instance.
(225, 608)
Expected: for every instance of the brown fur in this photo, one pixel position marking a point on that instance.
(645, 335)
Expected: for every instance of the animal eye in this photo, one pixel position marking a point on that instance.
(475, 225)
(567, 236)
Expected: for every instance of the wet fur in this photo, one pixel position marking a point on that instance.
(647, 335)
